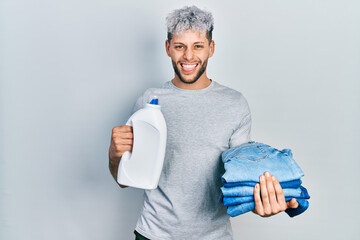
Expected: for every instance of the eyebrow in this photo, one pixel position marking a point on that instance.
(194, 42)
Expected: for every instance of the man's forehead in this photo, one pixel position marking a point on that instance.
(190, 36)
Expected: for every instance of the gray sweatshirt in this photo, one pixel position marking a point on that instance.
(201, 124)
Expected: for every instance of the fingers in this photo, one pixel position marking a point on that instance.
(121, 141)
(269, 197)
(121, 145)
(121, 133)
(116, 150)
(271, 194)
(257, 199)
(124, 131)
(265, 196)
(279, 194)
(122, 128)
(292, 203)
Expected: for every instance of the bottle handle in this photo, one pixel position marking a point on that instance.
(127, 155)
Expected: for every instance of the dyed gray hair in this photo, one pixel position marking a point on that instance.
(187, 18)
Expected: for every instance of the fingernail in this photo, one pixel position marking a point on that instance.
(273, 178)
(256, 185)
(267, 174)
(262, 178)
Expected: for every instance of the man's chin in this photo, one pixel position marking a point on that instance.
(190, 78)
(188, 81)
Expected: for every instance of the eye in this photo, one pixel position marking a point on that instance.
(178, 47)
(199, 46)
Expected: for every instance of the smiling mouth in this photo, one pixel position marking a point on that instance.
(188, 68)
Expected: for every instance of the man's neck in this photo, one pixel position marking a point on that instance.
(201, 83)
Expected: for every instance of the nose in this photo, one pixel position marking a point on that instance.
(188, 54)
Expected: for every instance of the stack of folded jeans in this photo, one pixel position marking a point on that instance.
(243, 166)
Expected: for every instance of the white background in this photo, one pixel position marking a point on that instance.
(71, 70)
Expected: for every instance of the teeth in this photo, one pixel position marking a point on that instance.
(189, 66)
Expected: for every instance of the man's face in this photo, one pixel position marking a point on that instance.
(189, 52)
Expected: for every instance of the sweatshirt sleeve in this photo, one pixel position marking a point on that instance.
(242, 133)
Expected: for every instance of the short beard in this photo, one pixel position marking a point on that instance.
(201, 71)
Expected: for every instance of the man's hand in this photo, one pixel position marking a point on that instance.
(121, 141)
(272, 200)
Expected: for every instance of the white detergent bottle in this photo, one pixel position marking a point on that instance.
(141, 168)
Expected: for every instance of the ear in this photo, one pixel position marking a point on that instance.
(167, 47)
(212, 48)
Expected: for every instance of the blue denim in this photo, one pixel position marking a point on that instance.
(244, 191)
(303, 205)
(231, 201)
(234, 211)
(289, 184)
(243, 166)
(248, 161)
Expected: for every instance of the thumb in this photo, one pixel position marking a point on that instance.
(292, 203)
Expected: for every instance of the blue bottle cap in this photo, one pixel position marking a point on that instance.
(154, 101)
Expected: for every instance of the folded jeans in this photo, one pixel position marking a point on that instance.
(242, 191)
(245, 163)
(234, 211)
(289, 184)
(232, 201)
(248, 161)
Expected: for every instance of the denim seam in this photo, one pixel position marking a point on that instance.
(256, 160)
(227, 155)
(236, 150)
(246, 145)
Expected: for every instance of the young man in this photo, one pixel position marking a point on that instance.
(204, 118)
